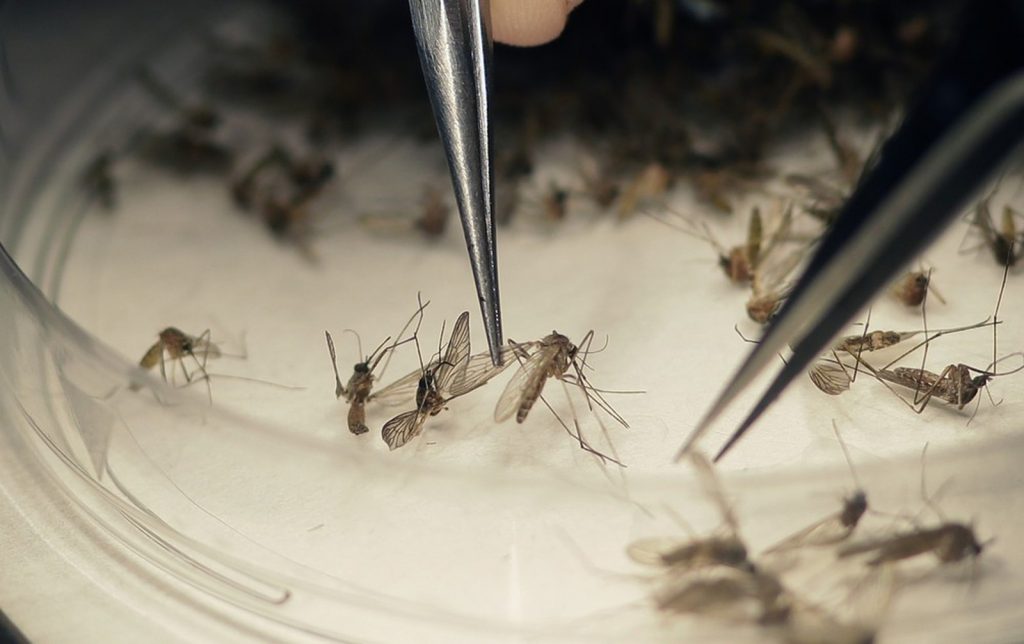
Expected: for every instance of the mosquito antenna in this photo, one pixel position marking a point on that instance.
(359, 342)
(846, 454)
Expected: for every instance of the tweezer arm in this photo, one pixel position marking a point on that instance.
(453, 38)
(968, 119)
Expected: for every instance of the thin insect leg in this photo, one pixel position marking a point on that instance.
(995, 316)
(163, 370)
(580, 380)
(928, 500)
(204, 341)
(860, 348)
(913, 406)
(679, 520)
(844, 367)
(924, 354)
(846, 453)
(583, 444)
(604, 429)
(339, 389)
(926, 396)
(390, 351)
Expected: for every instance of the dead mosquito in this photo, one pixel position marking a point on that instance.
(835, 528)
(649, 184)
(189, 147)
(725, 549)
(179, 348)
(359, 390)
(598, 182)
(957, 384)
(1005, 241)
(911, 288)
(432, 221)
(280, 188)
(439, 382)
(554, 356)
(950, 541)
(727, 592)
(832, 376)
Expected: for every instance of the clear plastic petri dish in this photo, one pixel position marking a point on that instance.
(240, 506)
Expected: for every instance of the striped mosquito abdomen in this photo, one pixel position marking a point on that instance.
(557, 364)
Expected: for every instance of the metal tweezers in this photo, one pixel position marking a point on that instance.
(967, 119)
(453, 37)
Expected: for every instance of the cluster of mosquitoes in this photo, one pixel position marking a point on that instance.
(709, 576)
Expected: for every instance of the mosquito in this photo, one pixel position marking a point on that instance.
(189, 147)
(1005, 241)
(950, 541)
(554, 356)
(837, 527)
(729, 592)
(725, 549)
(650, 183)
(281, 187)
(359, 390)
(911, 288)
(957, 384)
(833, 377)
(740, 262)
(175, 346)
(432, 221)
(440, 381)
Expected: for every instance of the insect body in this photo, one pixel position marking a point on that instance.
(834, 528)
(1004, 241)
(552, 358)
(726, 549)
(360, 384)
(439, 382)
(175, 345)
(950, 542)
(955, 385)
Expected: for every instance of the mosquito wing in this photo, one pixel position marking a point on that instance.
(152, 357)
(402, 390)
(713, 488)
(825, 532)
(455, 356)
(403, 428)
(652, 550)
(479, 369)
(525, 382)
(829, 377)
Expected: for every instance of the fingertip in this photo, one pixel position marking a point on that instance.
(525, 23)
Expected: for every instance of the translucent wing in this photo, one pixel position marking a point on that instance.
(403, 428)
(455, 356)
(152, 357)
(479, 370)
(826, 532)
(829, 377)
(402, 390)
(713, 488)
(523, 382)
(386, 224)
(651, 551)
